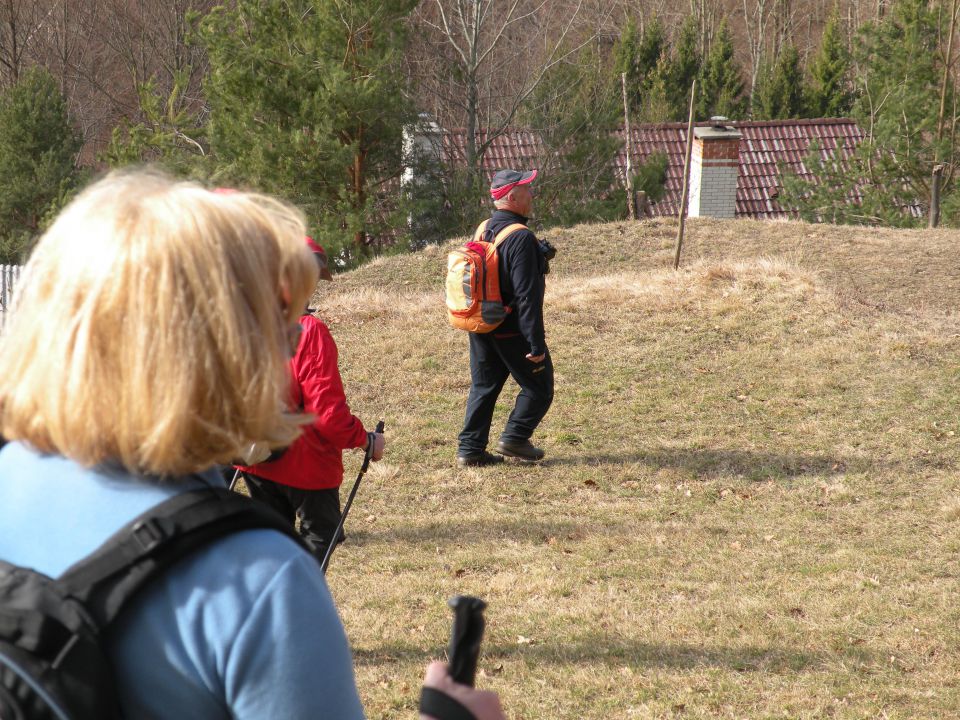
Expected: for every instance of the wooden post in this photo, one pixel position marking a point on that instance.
(935, 195)
(631, 198)
(643, 203)
(686, 179)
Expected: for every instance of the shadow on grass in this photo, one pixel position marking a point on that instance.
(469, 532)
(719, 463)
(638, 655)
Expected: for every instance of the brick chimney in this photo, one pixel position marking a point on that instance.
(714, 168)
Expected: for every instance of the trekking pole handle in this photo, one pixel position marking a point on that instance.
(465, 637)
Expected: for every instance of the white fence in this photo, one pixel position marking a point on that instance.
(9, 274)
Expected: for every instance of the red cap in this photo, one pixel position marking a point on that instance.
(506, 180)
(320, 254)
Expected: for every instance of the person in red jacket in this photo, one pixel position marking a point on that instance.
(304, 481)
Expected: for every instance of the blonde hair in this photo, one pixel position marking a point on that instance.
(152, 327)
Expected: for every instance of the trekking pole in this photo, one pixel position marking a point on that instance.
(353, 492)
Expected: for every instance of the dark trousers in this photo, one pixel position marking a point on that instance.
(318, 510)
(492, 361)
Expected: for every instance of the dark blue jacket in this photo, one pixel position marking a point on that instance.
(522, 270)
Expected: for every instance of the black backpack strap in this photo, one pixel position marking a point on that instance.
(149, 544)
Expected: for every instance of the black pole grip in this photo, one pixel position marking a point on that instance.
(465, 638)
(368, 454)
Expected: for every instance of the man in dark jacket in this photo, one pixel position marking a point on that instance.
(517, 347)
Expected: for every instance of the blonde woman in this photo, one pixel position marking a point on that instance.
(150, 342)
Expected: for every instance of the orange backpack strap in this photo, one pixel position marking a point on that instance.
(507, 232)
(481, 229)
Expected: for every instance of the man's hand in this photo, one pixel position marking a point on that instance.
(484, 704)
(536, 358)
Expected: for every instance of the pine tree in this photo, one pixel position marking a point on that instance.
(657, 105)
(306, 102)
(638, 55)
(779, 94)
(38, 153)
(901, 70)
(652, 46)
(686, 63)
(574, 111)
(829, 92)
(169, 134)
(722, 86)
(625, 60)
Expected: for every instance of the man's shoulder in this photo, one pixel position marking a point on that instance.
(520, 240)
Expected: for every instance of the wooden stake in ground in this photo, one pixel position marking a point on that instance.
(935, 195)
(686, 179)
(631, 199)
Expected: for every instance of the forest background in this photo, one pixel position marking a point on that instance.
(309, 99)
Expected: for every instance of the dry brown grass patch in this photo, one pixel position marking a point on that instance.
(750, 499)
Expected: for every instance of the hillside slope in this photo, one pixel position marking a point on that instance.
(751, 499)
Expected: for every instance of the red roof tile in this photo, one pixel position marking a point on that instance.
(764, 145)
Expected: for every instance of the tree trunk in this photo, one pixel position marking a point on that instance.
(631, 199)
(359, 196)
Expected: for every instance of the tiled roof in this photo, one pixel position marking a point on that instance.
(764, 145)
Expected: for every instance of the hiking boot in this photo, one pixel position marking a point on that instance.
(524, 451)
(480, 459)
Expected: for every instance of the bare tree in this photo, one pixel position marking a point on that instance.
(706, 15)
(107, 53)
(756, 23)
(19, 20)
(479, 45)
(785, 16)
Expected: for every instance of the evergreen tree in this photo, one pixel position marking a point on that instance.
(625, 60)
(829, 93)
(901, 70)
(657, 106)
(779, 94)
(575, 111)
(722, 89)
(686, 63)
(169, 133)
(652, 46)
(306, 102)
(38, 153)
(638, 55)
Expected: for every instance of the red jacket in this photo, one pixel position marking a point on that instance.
(314, 461)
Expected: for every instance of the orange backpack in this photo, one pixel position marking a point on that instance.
(474, 303)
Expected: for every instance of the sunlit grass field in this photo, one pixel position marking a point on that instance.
(750, 504)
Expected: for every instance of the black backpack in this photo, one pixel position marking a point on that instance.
(52, 661)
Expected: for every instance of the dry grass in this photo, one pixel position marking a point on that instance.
(750, 508)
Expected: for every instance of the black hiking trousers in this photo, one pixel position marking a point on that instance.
(492, 360)
(318, 510)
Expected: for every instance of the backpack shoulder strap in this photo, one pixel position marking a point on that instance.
(508, 231)
(481, 229)
(107, 579)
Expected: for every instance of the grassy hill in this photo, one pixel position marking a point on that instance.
(751, 503)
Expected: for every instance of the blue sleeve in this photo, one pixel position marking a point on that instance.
(290, 658)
